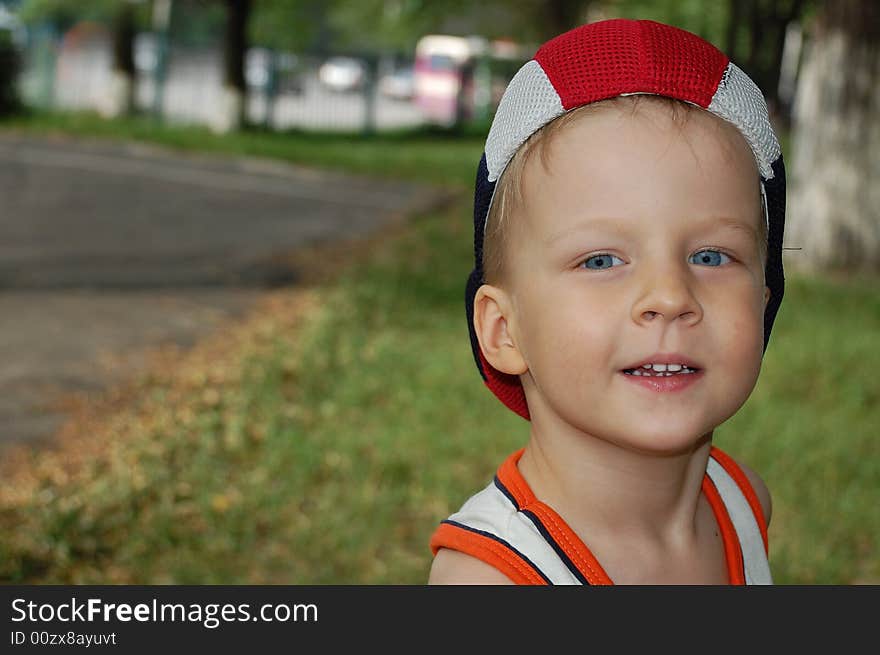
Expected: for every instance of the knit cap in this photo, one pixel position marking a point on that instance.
(611, 58)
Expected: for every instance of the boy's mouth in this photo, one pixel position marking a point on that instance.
(661, 370)
(663, 365)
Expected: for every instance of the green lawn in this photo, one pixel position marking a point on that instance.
(321, 441)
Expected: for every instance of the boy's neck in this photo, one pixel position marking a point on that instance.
(591, 482)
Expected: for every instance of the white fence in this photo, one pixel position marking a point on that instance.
(192, 91)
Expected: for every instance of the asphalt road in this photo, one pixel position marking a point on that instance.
(109, 250)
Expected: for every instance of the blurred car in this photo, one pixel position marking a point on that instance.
(399, 84)
(343, 74)
(257, 67)
(290, 70)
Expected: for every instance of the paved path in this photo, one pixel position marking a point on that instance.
(106, 250)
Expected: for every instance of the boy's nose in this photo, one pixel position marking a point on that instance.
(667, 295)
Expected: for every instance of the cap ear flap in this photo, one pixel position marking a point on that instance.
(493, 324)
(774, 274)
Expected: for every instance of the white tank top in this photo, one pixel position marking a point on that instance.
(507, 527)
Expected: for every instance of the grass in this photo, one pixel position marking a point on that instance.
(436, 155)
(321, 440)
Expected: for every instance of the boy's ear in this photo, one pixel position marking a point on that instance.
(493, 320)
(767, 295)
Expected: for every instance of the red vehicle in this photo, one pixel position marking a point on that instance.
(443, 76)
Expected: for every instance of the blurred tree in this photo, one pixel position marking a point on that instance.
(63, 13)
(290, 25)
(235, 45)
(124, 74)
(559, 16)
(397, 24)
(198, 23)
(375, 25)
(835, 198)
(123, 17)
(765, 26)
(707, 19)
(10, 64)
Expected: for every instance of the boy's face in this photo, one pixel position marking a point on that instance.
(672, 211)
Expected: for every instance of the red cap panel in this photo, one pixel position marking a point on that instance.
(613, 57)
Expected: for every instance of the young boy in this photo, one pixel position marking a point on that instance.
(629, 213)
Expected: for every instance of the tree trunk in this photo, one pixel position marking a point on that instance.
(781, 15)
(766, 23)
(835, 199)
(756, 42)
(734, 21)
(121, 100)
(232, 111)
(558, 16)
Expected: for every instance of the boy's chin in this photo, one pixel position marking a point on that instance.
(661, 441)
(671, 446)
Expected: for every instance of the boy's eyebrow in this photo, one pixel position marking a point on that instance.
(736, 223)
(609, 224)
(617, 225)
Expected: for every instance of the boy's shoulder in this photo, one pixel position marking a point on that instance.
(452, 567)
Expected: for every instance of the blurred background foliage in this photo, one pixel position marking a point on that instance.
(752, 32)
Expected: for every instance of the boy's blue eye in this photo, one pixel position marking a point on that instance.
(709, 258)
(600, 262)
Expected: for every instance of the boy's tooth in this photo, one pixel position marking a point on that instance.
(661, 370)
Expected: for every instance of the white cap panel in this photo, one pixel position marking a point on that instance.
(741, 102)
(529, 102)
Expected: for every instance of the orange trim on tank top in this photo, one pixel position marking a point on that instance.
(488, 550)
(733, 469)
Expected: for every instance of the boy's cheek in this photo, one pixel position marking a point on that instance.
(745, 335)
